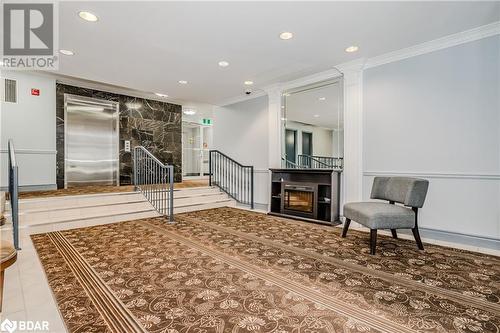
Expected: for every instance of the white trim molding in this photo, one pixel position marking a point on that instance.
(352, 182)
(433, 175)
(463, 37)
(455, 240)
(274, 126)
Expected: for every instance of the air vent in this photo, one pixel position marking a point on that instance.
(10, 91)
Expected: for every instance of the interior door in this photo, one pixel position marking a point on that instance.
(307, 148)
(191, 150)
(291, 145)
(91, 141)
(196, 144)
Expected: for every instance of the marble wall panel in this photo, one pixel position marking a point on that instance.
(153, 124)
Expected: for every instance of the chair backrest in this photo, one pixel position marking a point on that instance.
(406, 190)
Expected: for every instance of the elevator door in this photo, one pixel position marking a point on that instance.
(91, 141)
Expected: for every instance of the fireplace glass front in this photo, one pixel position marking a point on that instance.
(299, 198)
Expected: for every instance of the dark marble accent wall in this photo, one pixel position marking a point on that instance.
(155, 125)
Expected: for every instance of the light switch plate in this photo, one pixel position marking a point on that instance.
(127, 145)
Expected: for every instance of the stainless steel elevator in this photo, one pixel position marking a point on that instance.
(91, 136)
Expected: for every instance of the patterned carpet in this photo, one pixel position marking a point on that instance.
(230, 270)
(101, 189)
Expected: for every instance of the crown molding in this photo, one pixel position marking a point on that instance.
(95, 85)
(463, 37)
(441, 175)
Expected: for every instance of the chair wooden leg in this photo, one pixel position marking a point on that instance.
(1, 288)
(416, 234)
(346, 227)
(394, 233)
(373, 240)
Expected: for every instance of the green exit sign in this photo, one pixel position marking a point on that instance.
(206, 121)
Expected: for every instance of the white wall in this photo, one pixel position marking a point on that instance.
(31, 123)
(241, 132)
(437, 116)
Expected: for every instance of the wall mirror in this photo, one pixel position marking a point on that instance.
(312, 126)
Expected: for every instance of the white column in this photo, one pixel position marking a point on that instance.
(274, 123)
(353, 132)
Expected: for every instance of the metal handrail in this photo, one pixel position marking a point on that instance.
(320, 162)
(310, 161)
(289, 164)
(232, 177)
(14, 193)
(155, 181)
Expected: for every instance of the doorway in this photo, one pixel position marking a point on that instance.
(307, 144)
(196, 144)
(291, 145)
(91, 135)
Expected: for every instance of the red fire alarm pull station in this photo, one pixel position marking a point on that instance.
(35, 92)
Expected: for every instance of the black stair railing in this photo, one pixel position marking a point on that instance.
(231, 177)
(155, 181)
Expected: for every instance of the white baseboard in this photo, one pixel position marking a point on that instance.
(445, 238)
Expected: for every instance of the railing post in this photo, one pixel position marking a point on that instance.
(251, 188)
(171, 198)
(14, 207)
(210, 167)
(135, 169)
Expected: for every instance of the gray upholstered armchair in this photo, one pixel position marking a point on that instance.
(408, 191)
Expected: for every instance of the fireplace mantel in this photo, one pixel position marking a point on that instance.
(306, 194)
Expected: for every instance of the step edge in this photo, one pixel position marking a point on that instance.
(87, 218)
(24, 212)
(67, 197)
(204, 203)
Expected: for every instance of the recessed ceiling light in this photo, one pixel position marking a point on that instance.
(284, 119)
(67, 52)
(352, 48)
(161, 95)
(88, 16)
(223, 63)
(183, 82)
(322, 98)
(189, 112)
(316, 116)
(248, 83)
(286, 35)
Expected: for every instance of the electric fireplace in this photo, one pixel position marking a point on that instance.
(311, 195)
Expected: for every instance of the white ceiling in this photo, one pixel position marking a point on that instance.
(150, 46)
(319, 107)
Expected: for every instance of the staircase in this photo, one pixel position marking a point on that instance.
(92, 209)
